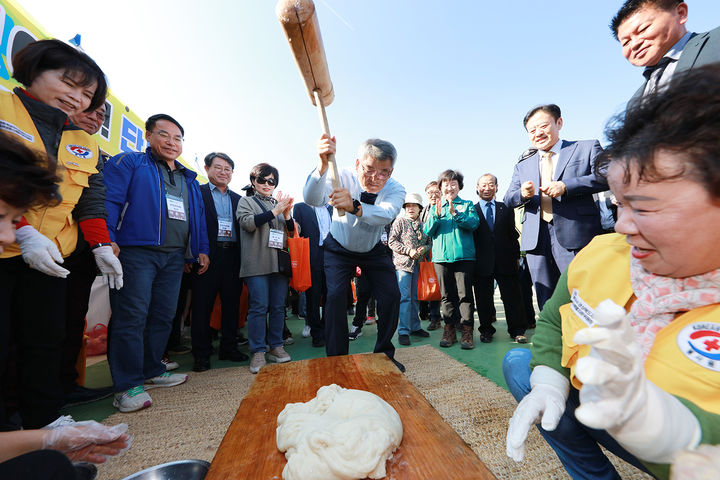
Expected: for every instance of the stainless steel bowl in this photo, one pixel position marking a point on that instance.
(178, 470)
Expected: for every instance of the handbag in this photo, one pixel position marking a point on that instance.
(283, 256)
(428, 287)
(299, 248)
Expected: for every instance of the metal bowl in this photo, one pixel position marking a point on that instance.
(178, 470)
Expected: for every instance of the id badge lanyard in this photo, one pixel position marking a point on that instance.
(275, 239)
(175, 205)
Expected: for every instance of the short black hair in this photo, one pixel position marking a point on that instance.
(263, 170)
(631, 6)
(150, 123)
(42, 55)
(550, 109)
(684, 120)
(28, 176)
(211, 156)
(450, 175)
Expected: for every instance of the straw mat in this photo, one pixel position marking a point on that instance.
(189, 421)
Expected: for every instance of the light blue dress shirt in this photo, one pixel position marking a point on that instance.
(483, 209)
(223, 208)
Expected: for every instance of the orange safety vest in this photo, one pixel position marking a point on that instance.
(685, 358)
(77, 160)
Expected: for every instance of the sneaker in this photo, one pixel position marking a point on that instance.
(288, 341)
(166, 380)
(466, 342)
(306, 331)
(370, 320)
(169, 364)
(449, 336)
(278, 355)
(355, 332)
(520, 338)
(404, 339)
(257, 362)
(132, 400)
(81, 395)
(241, 340)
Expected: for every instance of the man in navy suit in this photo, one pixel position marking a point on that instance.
(497, 254)
(555, 185)
(653, 35)
(223, 275)
(314, 225)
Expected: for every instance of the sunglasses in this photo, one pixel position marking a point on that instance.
(263, 181)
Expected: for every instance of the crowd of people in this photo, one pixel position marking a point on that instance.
(625, 350)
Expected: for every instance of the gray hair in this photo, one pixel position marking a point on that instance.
(377, 149)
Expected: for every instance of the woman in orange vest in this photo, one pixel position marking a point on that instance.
(58, 81)
(627, 351)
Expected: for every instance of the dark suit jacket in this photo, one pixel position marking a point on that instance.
(304, 215)
(701, 49)
(211, 217)
(497, 251)
(575, 216)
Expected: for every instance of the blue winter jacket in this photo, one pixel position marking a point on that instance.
(136, 206)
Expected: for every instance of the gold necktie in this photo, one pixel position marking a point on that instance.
(546, 172)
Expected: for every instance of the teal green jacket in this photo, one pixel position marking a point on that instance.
(452, 235)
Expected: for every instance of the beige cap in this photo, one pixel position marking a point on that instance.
(413, 198)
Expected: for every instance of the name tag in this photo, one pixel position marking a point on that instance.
(276, 238)
(224, 227)
(176, 208)
(582, 309)
(383, 237)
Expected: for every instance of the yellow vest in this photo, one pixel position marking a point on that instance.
(685, 358)
(77, 160)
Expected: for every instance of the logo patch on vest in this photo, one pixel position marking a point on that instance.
(583, 311)
(700, 342)
(79, 151)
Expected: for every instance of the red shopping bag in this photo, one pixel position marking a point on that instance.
(299, 248)
(428, 288)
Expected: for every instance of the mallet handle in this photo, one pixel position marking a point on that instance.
(332, 166)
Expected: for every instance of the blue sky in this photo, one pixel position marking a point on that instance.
(447, 82)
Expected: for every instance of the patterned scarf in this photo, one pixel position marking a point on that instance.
(660, 298)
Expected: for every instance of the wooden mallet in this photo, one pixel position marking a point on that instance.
(302, 30)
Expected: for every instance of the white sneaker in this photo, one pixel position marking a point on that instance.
(169, 364)
(306, 331)
(278, 355)
(166, 380)
(355, 332)
(257, 362)
(132, 400)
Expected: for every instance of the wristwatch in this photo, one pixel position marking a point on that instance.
(356, 207)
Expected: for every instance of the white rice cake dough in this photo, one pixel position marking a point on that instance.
(341, 434)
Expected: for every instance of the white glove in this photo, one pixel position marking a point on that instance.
(703, 463)
(109, 266)
(87, 441)
(617, 396)
(39, 252)
(545, 403)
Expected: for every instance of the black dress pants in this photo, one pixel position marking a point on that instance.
(314, 298)
(38, 465)
(484, 289)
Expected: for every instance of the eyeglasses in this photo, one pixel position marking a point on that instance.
(166, 136)
(263, 181)
(372, 172)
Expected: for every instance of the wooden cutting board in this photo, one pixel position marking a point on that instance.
(430, 448)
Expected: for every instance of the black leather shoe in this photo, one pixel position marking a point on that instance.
(420, 333)
(201, 365)
(233, 356)
(486, 338)
(399, 365)
(318, 342)
(81, 395)
(404, 339)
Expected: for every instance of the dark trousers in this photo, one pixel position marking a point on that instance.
(340, 265)
(221, 277)
(365, 301)
(526, 289)
(175, 338)
(32, 317)
(39, 465)
(314, 298)
(484, 289)
(547, 261)
(82, 275)
(455, 279)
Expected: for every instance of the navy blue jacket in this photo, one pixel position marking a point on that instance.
(136, 205)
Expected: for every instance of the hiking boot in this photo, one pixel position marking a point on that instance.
(466, 342)
(355, 332)
(132, 400)
(404, 339)
(278, 355)
(166, 380)
(257, 362)
(449, 336)
(435, 323)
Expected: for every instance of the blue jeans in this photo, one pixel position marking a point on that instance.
(142, 314)
(576, 445)
(408, 283)
(266, 294)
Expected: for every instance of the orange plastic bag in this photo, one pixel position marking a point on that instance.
(299, 248)
(428, 287)
(97, 341)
